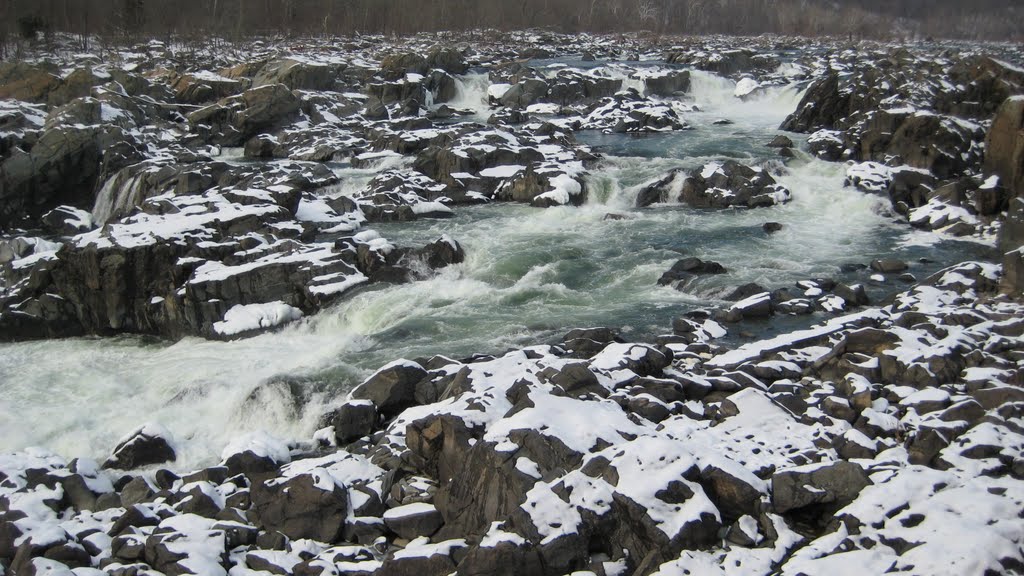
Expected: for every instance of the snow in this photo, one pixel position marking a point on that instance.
(496, 91)
(423, 548)
(246, 317)
(710, 169)
(261, 444)
(413, 509)
(502, 171)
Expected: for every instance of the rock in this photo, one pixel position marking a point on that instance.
(574, 378)
(134, 517)
(836, 484)
(298, 75)
(398, 65)
(309, 505)
(508, 557)
(910, 188)
(448, 59)
(420, 559)
(827, 144)
(443, 252)
(392, 388)
(839, 408)
(146, 445)
(641, 359)
(351, 421)
(855, 294)
(1004, 145)
(771, 227)
(1010, 241)
(23, 81)
(685, 270)
(756, 306)
(854, 444)
(67, 221)
(780, 141)
(525, 93)
(745, 291)
(668, 83)
(234, 120)
(413, 520)
(888, 266)
(136, 491)
(63, 167)
(942, 147)
(822, 106)
(733, 492)
(585, 342)
(728, 184)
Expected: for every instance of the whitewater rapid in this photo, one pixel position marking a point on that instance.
(529, 276)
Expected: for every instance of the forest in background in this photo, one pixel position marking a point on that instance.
(130, 20)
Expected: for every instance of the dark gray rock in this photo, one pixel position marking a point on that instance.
(145, 446)
(414, 520)
(393, 388)
(687, 269)
(837, 484)
(299, 507)
(351, 421)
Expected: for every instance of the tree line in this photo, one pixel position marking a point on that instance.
(237, 19)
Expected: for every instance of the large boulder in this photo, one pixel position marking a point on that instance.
(146, 445)
(308, 505)
(448, 59)
(22, 81)
(836, 484)
(1004, 145)
(392, 388)
(822, 106)
(940, 145)
(62, 168)
(667, 83)
(298, 75)
(234, 120)
(1011, 242)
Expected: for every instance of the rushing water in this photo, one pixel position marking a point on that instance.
(530, 274)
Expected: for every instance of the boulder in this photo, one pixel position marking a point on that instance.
(62, 168)
(398, 65)
(351, 421)
(234, 120)
(392, 389)
(448, 59)
(942, 146)
(524, 93)
(780, 141)
(822, 106)
(669, 83)
(836, 484)
(412, 521)
(298, 75)
(27, 82)
(308, 505)
(1004, 145)
(144, 446)
(685, 270)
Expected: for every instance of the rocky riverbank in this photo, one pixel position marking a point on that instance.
(177, 192)
(889, 439)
